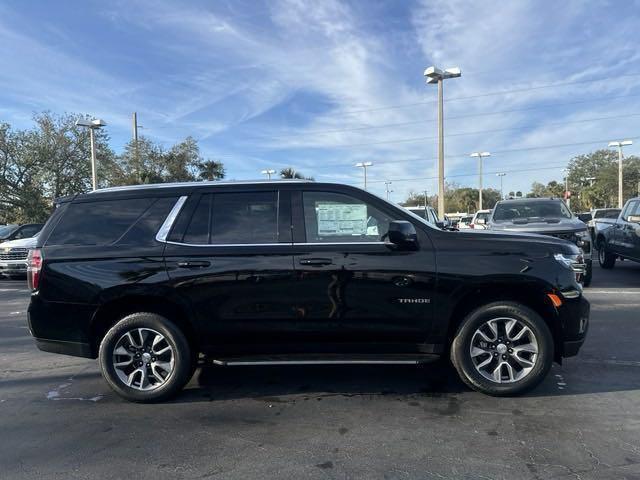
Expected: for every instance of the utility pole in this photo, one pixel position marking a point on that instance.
(479, 156)
(136, 156)
(364, 166)
(386, 185)
(425, 204)
(567, 194)
(501, 175)
(620, 144)
(435, 75)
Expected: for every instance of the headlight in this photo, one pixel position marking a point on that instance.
(584, 241)
(574, 262)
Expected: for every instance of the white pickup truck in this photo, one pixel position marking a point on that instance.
(619, 237)
(13, 256)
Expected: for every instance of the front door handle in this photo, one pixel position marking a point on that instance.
(316, 262)
(194, 264)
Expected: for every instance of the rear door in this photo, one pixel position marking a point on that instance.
(629, 232)
(229, 254)
(355, 289)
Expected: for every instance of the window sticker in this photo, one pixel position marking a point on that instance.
(341, 219)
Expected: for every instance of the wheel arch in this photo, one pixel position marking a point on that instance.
(533, 296)
(110, 312)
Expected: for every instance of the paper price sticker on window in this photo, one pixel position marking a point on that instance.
(341, 219)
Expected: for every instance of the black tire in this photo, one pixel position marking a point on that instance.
(588, 276)
(181, 351)
(461, 355)
(606, 259)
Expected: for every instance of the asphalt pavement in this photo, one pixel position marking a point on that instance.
(59, 420)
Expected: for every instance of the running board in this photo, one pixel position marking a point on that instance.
(381, 359)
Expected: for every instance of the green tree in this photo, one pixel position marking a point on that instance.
(291, 173)
(211, 170)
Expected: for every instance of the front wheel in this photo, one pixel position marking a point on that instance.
(145, 358)
(502, 348)
(606, 259)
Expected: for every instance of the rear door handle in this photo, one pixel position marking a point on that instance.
(316, 261)
(194, 264)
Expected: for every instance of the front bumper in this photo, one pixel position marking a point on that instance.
(574, 321)
(13, 268)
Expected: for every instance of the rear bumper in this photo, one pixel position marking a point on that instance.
(574, 319)
(66, 348)
(61, 327)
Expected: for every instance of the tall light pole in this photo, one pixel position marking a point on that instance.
(92, 125)
(620, 144)
(567, 194)
(364, 166)
(386, 185)
(480, 156)
(435, 75)
(501, 175)
(268, 173)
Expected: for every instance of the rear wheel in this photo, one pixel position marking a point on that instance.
(606, 259)
(502, 348)
(145, 358)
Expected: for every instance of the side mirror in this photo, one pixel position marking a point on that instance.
(633, 218)
(441, 225)
(403, 233)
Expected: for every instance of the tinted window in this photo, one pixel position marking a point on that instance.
(609, 213)
(234, 218)
(7, 230)
(530, 209)
(333, 217)
(197, 231)
(98, 223)
(28, 231)
(632, 209)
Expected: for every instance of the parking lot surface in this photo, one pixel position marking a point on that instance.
(59, 420)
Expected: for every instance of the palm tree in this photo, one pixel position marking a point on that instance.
(211, 170)
(291, 173)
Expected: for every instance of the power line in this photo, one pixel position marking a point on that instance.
(490, 94)
(479, 132)
(453, 117)
(493, 152)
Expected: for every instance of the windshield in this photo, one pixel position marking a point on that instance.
(531, 210)
(609, 213)
(7, 230)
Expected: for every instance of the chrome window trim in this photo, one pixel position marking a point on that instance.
(162, 234)
(274, 244)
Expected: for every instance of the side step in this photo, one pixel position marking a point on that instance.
(328, 359)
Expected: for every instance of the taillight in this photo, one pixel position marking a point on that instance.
(471, 225)
(34, 267)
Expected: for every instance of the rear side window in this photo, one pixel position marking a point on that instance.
(234, 218)
(111, 221)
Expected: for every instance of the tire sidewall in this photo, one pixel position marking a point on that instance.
(461, 355)
(176, 339)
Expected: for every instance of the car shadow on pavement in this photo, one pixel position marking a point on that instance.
(276, 383)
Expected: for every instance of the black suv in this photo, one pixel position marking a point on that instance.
(148, 278)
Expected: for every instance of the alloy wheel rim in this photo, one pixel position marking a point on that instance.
(601, 254)
(143, 359)
(504, 350)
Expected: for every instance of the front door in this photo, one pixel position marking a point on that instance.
(364, 292)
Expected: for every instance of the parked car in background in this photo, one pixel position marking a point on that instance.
(480, 219)
(599, 214)
(145, 278)
(546, 216)
(584, 217)
(13, 256)
(465, 222)
(430, 215)
(619, 237)
(16, 232)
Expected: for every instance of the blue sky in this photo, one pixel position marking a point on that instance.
(321, 85)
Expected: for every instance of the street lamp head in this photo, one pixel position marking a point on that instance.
(268, 172)
(480, 154)
(501, 174)
(452, 73)
(434, 74)
(622, 143)
(626, 142)
(363, 164)
(95, 123)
